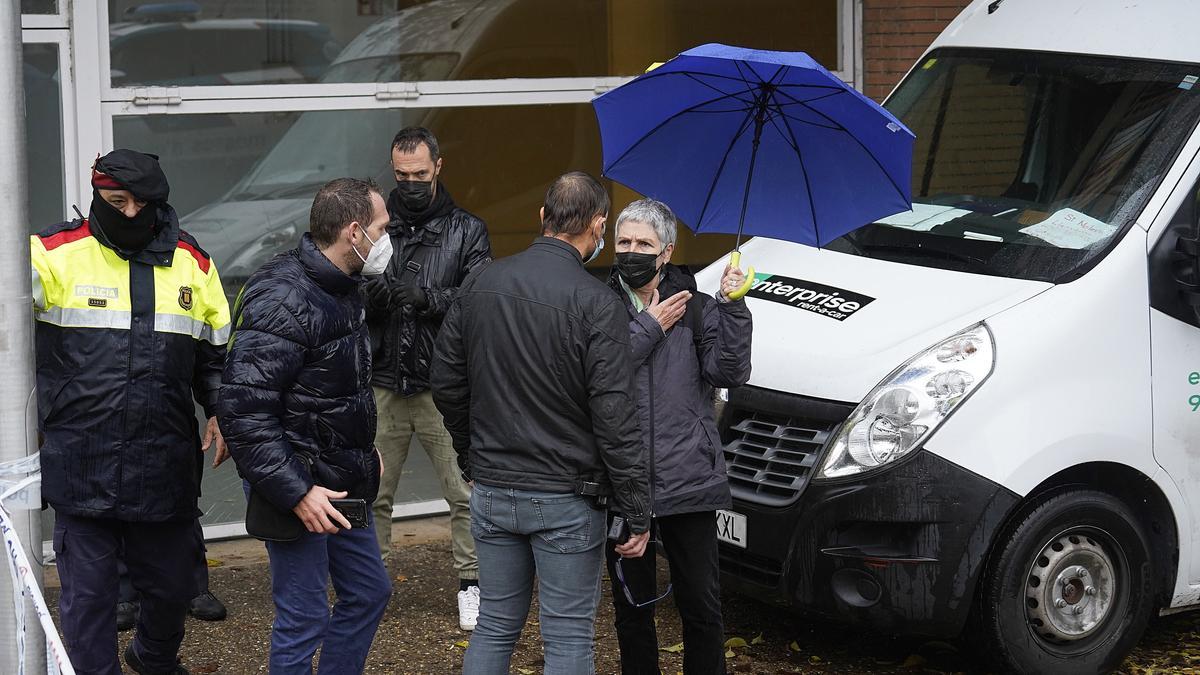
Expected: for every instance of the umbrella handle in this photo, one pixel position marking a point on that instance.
(735, 260)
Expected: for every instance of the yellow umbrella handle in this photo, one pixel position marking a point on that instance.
(735, 259)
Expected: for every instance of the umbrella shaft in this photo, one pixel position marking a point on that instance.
(759, 120)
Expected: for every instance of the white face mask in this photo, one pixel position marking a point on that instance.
(599, 247)
(378, 257)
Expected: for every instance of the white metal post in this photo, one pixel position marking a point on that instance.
(16, 344)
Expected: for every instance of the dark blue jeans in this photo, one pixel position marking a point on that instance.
(561, 536)
(300, 571)
(160, 556)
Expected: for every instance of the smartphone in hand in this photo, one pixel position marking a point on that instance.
(354, 510)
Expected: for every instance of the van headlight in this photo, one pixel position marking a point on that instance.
(903, 410)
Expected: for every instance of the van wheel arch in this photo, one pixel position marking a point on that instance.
(1132, 489)
(1138, 492)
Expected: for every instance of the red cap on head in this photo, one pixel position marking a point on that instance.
(104, 181)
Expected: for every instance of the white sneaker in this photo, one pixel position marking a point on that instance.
(468, 608)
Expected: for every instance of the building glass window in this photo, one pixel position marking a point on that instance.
(231, 42)
(43, 132)
(243, 178)
(39, 6)
(243, 182)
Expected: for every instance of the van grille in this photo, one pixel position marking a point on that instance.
(750, 567)
(773, 444)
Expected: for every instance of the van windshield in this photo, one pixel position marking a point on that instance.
(1030, 164)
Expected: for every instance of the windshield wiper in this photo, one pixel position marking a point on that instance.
(978, 264)
(850, 239)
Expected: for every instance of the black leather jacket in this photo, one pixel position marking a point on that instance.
(534, 376)
(436, 256)
(296, 404)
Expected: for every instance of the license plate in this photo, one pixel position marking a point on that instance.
(731, 528)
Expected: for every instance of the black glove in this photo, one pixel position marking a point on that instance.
(378, 293)
(411, 295)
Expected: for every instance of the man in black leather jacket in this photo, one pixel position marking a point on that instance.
(435, 244)
(298, 415)
(534, 375)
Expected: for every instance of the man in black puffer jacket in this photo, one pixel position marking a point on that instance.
(436, 245)
(298, 415)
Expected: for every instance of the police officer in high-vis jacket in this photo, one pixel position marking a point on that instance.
(131, 326)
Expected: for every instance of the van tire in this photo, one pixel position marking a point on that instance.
(1069, 587)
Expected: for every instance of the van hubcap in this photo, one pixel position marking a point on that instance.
(1070, 588)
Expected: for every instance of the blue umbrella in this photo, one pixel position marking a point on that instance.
(757, 142)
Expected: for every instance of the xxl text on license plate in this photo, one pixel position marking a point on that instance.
(731, 528)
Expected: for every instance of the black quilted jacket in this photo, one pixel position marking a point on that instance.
(296, 404)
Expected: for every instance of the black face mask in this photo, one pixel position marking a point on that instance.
(637, 269)
(128, 234)
(415, 195)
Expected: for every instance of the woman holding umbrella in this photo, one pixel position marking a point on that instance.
(684, 344)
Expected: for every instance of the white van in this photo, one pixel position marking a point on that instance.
(986, 412)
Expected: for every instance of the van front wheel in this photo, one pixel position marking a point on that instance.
(1069, 588)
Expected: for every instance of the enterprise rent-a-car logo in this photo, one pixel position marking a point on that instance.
(835, 303)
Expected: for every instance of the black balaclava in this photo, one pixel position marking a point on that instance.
(141, 175)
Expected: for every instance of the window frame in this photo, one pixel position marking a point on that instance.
(56, 20)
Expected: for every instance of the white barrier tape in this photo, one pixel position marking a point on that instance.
(21, 467)
(12, 473)
(25, 584)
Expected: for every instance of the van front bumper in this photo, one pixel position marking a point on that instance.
(901, 549)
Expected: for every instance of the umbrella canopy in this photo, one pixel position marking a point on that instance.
(769, 143)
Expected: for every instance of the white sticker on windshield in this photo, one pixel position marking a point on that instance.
(1068, 228)
(923, 217)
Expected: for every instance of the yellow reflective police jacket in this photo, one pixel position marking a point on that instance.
(123, 345)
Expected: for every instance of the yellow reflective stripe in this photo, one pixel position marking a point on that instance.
(186, 325)
(79, 317)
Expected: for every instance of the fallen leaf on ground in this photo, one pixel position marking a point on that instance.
(525, 671)
(758, 640)
(462, 644)
(729, 654)
(210, 562)
(814, 659)
(400, 578)
(734, 642)
(673, 649)
(793, 646)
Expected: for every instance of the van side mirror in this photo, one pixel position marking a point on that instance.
(1175, 265)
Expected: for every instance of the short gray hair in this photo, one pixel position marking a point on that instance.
(655, 214)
